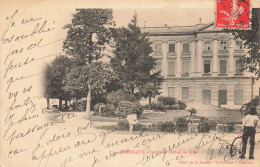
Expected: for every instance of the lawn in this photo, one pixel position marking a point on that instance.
(221, 116)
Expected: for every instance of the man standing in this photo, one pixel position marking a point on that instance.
(132, 120)
(250, 124)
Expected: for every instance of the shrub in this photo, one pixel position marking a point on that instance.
(230, 127)
(204, 126)
(166, 100)
(138, 110)
(123, 125)
(108, 110)
(138, 127)
(116, 97)
(80, 105)
(158, 107)
(127, 107)
(213, 125)
(166, 127)
(174, 107)
(147, 107)
(255, 101)
(181, 125)
(182, 105)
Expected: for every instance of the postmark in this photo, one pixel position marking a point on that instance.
(233, 14)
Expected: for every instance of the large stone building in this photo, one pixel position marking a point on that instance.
(200, 65)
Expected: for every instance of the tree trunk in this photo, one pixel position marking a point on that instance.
(48, 103)
(66, 103)
(132, 89)
(60, 104)
(150, 100)
(88, 102)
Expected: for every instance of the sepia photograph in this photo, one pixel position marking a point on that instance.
(145, 84)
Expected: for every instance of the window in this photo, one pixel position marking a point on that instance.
(186, 48)
(206, 96)
(170, 92)
(238, 67)
(223, 66)
(158, 48)
(239, 45)
(222, 97)
(238, 100)
(223, 45)
(171, 68)
(206, 66)
(207, 46)
(171, 47)
(185, 94)
(157, 67)
(185, 67)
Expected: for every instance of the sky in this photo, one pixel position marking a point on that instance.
(122, 17)
(157, 17)
(160, 17)
(153, 17)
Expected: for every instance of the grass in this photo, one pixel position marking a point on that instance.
(219, 116)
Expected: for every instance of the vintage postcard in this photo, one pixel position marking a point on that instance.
(130, 83)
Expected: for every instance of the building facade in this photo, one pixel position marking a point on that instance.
(201, 64)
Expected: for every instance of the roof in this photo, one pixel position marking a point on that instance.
(178, 29)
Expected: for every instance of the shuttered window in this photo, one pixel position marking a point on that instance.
(158, 48)
(238, 100)
(223, 66)
(171, 47)
(206, 66)
(186, 47)
(222, 97)
(238, 67)
(185, 94)
(171, 92)
(171, 68)
(185, 67)
(206, 96)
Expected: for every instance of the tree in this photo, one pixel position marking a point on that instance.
(132, 61)
(98, 75)
(55, 79)
(85, 24)
(251, 38)
(152, 88)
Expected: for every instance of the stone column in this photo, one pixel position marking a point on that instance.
(215, 58)
(193, 58)
(178, 60)
(164, 60)
(199, 66)
(231, 46)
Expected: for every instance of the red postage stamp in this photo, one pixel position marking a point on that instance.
(233, 14)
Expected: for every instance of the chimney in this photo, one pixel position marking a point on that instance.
(200, 20)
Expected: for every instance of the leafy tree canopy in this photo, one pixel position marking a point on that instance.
(85, 24)
(132, 61)
(98, 74)
(55, 77)
(251, 38)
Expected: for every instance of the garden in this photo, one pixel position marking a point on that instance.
(166, 115)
